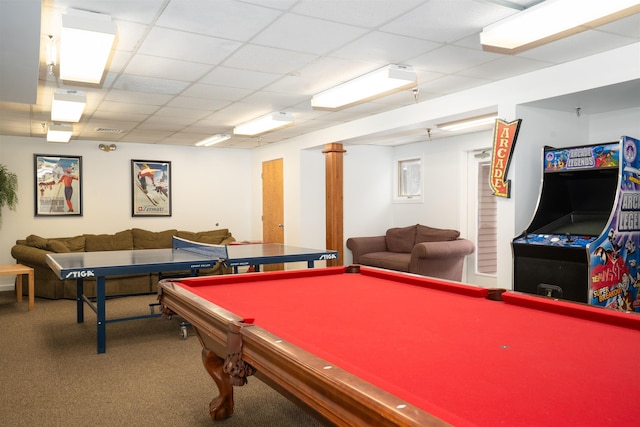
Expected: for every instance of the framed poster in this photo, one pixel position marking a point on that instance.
(58, 185)
(151, 188)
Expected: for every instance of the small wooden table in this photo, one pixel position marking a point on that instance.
(19, 270)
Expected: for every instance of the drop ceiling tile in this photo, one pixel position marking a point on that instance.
(119, 59)
(130, 35)
(142, 11)
(118, 115)
(146, 136)
(182, 113)
(268, 59)
(362, 13)
(275, 100)
(206, 130)
(149, 84)
(187, 46)
(133, 97)
(439, 20)
(225, 76)
(235, 114)
(451, 59)
(196, 31)
(166, 68)
(219, 93)
(384, 47)
(8, 108)
(184, 138)
(126, 108)
(22, 128)
(197, 103)
(221, 18)
(165, 123)
(304, 34)
(321, 75)
(504, 67)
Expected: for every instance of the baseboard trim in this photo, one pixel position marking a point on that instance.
(7, 288)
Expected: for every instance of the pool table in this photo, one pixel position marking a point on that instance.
(364, 346)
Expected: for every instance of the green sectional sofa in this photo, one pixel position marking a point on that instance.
(33, 250)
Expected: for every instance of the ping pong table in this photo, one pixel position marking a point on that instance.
(183, 256)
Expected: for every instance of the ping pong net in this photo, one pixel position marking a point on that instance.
(218, 252)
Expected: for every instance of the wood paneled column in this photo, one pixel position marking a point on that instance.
(334, 200)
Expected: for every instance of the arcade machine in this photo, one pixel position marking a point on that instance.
(583, 243)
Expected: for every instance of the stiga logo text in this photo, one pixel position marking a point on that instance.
(328, 256)
(79, 274)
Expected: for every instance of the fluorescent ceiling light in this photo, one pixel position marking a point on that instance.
(380, 82)
(469, 123)
(552, 20)
(59, 132)
(215, 139)
(270, 122)
(67, 105)
(85, 45)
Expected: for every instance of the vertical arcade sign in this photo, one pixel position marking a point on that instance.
(504, 141)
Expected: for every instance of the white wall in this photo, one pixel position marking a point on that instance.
(211, 189)
(368, 184)
(612, 125)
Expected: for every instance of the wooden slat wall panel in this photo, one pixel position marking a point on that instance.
(486, 259)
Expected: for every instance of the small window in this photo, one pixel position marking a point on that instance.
(409, 176)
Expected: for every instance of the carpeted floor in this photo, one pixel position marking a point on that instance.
(51, 375)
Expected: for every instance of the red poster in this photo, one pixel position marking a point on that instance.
(504, 141)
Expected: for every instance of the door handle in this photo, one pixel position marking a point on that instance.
(280, 225)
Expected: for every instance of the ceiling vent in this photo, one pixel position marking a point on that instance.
(108, 130)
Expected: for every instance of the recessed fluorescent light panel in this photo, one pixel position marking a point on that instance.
(264, 124)
(551, 20)
(215, 139)
(59, 132)
(68, 105)
(378, 83)
(469, 123)
(85, 45)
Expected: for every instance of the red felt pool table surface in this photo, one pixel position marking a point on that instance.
(446, 348)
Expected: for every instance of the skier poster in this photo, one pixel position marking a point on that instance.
(151, 188)
(58, 182)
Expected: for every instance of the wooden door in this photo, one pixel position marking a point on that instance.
(272, 206)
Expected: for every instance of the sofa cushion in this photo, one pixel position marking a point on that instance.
(401, 239)
(144, 239)
(74, 244)
(120, 241)
(390, 260)
(212, 237)
(57, 246)
(186, 235)
(429, 234)
(37, 241)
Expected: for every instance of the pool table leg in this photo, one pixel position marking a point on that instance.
(220, 407)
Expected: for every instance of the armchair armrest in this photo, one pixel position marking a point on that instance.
(29, 255)
(363, 245)
(444, 260)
